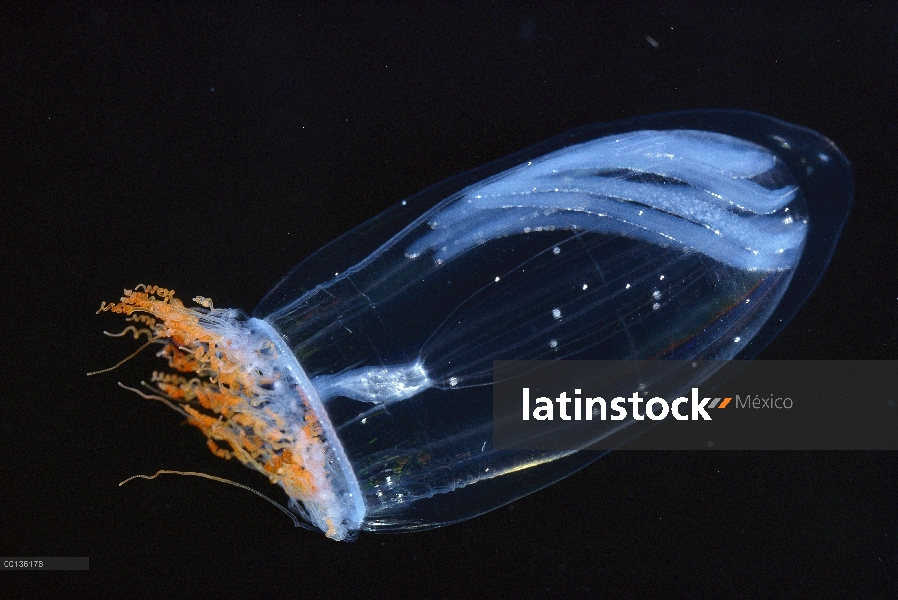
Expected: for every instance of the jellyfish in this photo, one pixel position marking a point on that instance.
(361, 383)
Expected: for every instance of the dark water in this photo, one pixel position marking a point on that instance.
(210, 148)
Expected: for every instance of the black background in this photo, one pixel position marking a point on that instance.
(210, 147)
